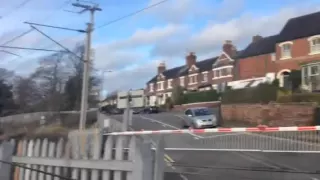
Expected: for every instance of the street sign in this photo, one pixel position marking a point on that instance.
(136, 99)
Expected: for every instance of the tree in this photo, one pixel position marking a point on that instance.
(7, 104)
(27, 93)
(177, 95)
(73, 86)
(51, 75)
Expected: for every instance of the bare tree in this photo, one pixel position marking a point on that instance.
(27, 94)
(51, 76)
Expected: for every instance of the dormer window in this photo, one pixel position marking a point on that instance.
(314, 44)
(286, 50)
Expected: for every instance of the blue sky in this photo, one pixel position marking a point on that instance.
(133, 47)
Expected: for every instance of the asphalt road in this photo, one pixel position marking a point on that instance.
(197, 157)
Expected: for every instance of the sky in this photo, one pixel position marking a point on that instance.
(133, 47)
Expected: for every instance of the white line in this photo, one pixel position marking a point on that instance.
(168, 125)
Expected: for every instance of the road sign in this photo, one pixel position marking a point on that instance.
(136, 99)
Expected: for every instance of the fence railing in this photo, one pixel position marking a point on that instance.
(83, 155)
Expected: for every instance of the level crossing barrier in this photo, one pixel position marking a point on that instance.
(262, 138)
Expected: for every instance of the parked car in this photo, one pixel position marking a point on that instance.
(137, 110)
(151, 109)
(200, 117)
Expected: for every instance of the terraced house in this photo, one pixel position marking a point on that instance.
(263, 60)
(194, 75)
(276, 56)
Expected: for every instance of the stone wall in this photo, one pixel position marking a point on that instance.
(273, 114)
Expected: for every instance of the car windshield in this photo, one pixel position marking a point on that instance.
(202, 112)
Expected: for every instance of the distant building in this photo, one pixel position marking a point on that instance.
(263, 60)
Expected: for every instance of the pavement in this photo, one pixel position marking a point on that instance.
(229, 156)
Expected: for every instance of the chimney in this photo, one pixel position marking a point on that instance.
(256, 38)
(191, 59)
(161, 67)
(229, 48)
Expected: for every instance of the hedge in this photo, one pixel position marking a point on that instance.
(204, 96)
(301, 97)
(263, 93)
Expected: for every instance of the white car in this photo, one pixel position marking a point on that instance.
(200, 117)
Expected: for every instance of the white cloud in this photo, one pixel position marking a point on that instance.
(143, 37)
(179, 10)
(239, 30)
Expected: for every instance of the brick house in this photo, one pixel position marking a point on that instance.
(212, 73)
(276, 56)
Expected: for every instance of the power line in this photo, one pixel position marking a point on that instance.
(18, 7)
(47, 36)
(131, 14)
(33, 49)
(32, 169)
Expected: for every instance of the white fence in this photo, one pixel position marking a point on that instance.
(83, 155)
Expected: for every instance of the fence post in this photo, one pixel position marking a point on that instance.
(159, 163)
(6, 150)
(143, 161)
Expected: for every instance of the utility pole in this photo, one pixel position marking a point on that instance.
(86, 64)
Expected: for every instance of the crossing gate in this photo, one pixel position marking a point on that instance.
(267, 139)
(82, 155)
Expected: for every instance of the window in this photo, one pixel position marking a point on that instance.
(217, 73)
(193, 79)
(151, 87)
(314, 44)
(182, 81)
(169, 83)
(314, 70)
(188, 112)
(160, 85)
(205, 76)
(286, 50)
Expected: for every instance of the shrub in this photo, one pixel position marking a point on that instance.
(301, 97)
(263, 93)
(204, 96)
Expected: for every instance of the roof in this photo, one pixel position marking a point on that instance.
(265, 45)
(292, 30)
(300, 27)
(204, 65)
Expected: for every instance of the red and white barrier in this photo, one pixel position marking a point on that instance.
(221, 130)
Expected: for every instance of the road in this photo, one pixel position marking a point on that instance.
(221, 156)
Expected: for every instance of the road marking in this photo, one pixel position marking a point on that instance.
(169, 158)
(168, 125)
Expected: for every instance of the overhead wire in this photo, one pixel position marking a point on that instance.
(31, 29)
(17, 7)
(131, 14)
(113, 21)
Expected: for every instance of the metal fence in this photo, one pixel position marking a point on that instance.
(268, 139)
(83, 155)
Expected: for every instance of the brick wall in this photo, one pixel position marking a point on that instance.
(293, 114)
